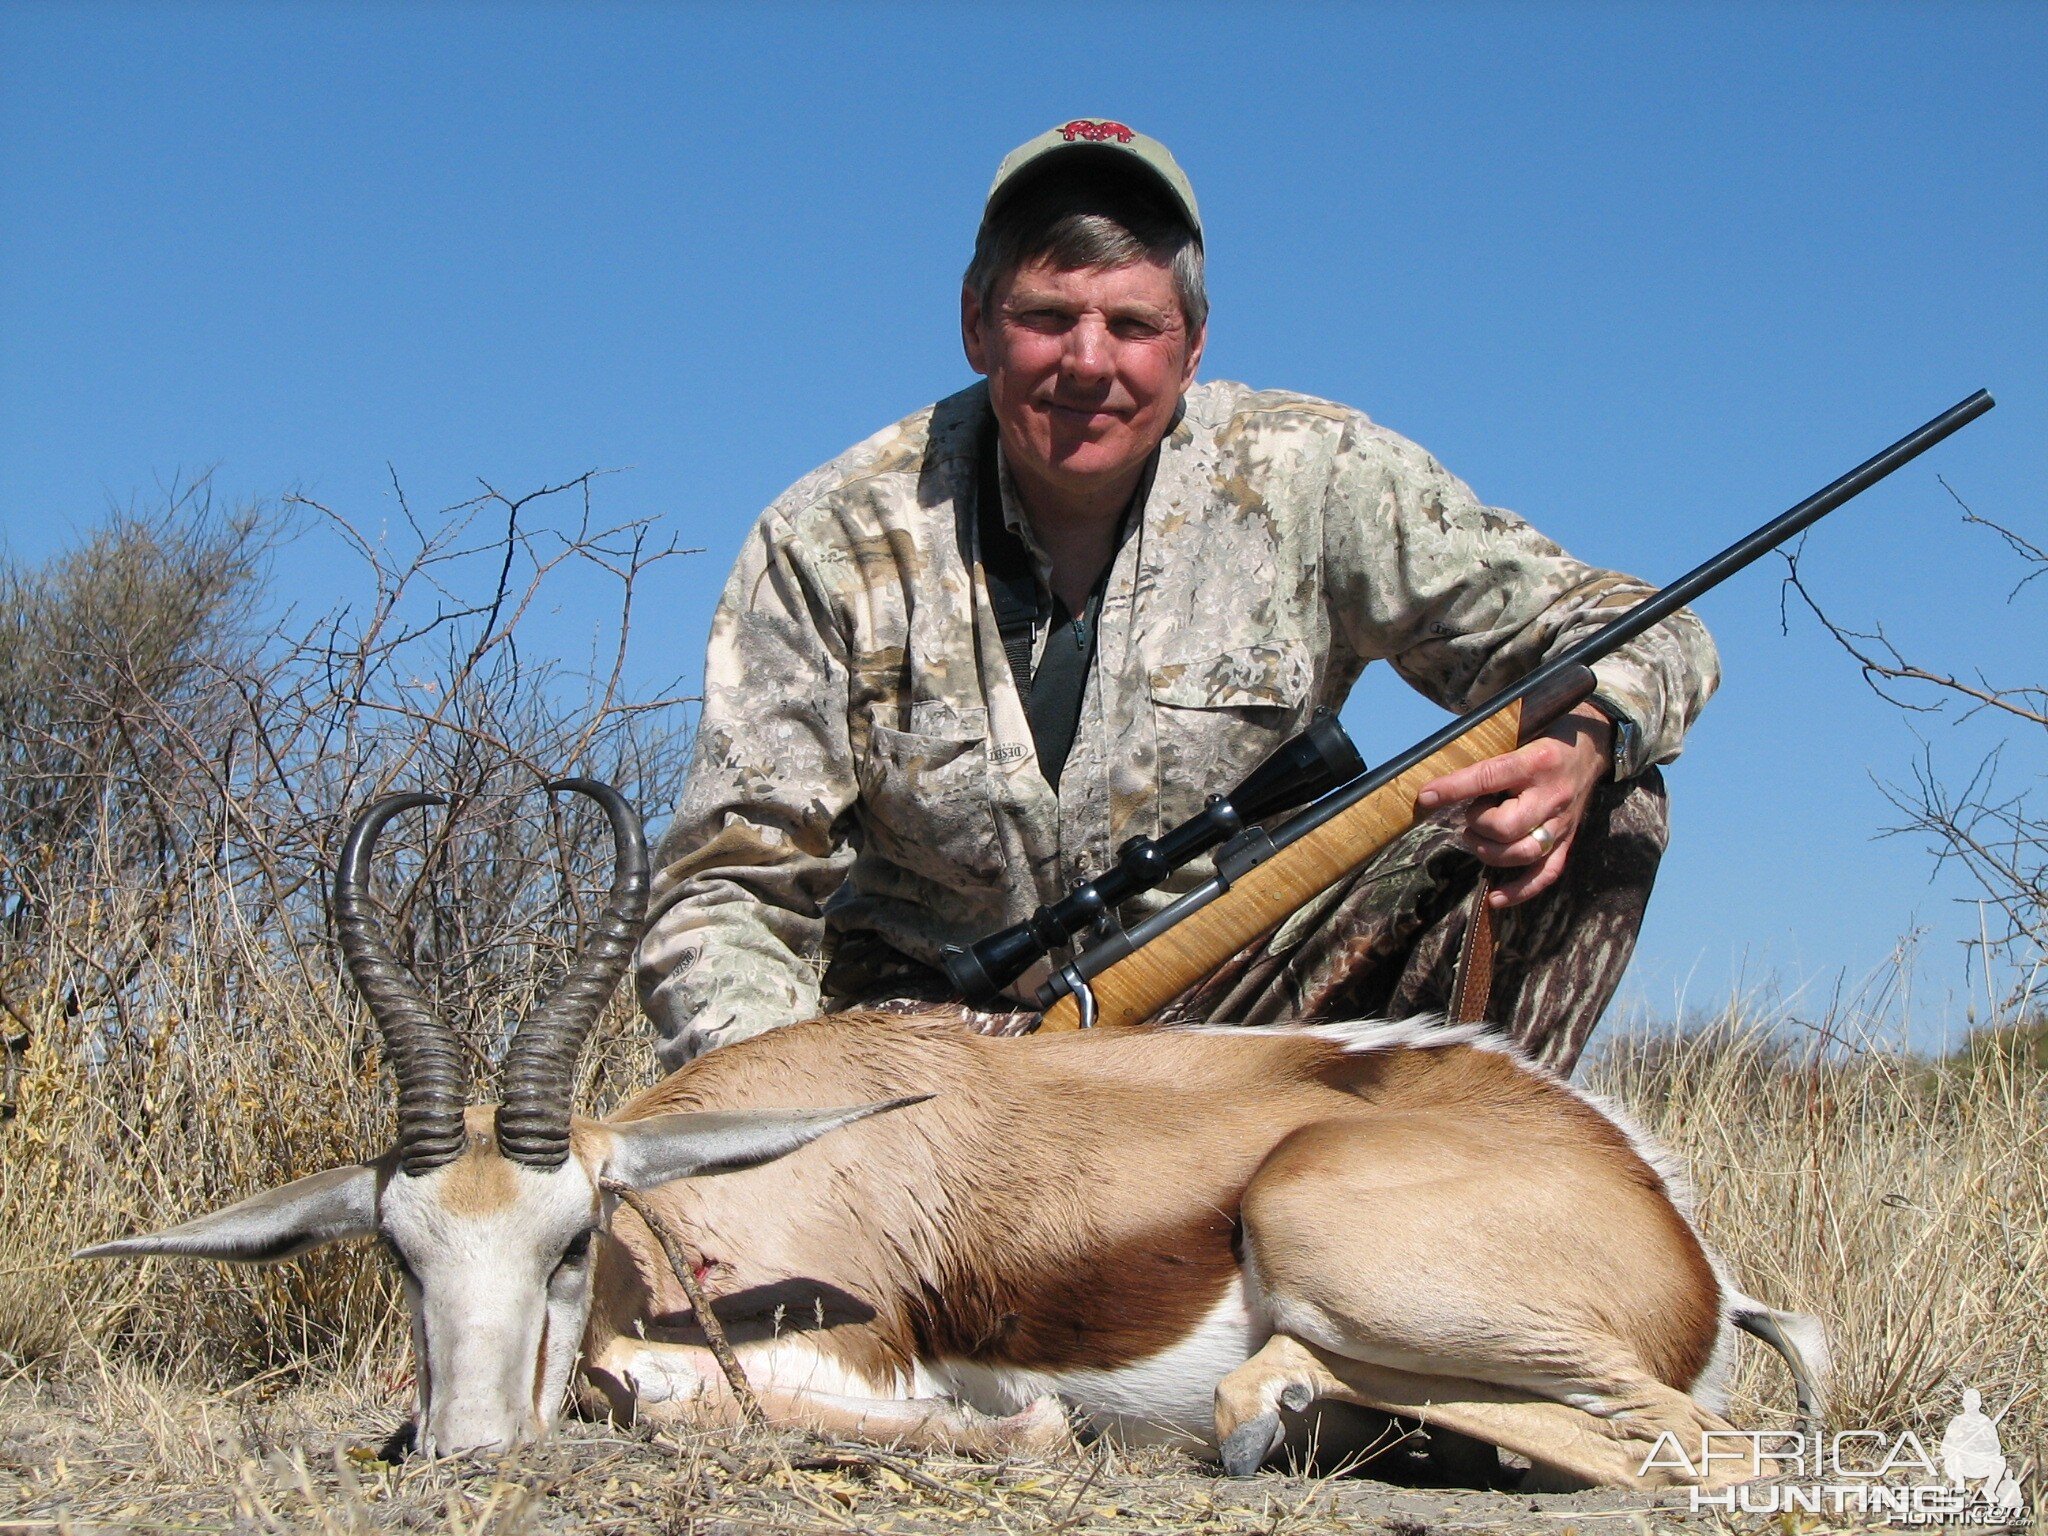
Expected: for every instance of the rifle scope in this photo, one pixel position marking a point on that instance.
(1300, 769)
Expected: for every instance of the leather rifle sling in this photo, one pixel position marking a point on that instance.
(1472, 983)
(1472, 988)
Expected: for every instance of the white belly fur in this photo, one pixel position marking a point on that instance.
(1165, 1399)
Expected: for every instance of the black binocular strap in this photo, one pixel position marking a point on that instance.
(1020, 603)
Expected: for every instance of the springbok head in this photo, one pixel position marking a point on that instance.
(489, 1210)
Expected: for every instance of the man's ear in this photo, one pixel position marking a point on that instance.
(648, 1152)
(971, 337)
(342, 1202)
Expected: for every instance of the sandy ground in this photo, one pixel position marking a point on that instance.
(123, 1455)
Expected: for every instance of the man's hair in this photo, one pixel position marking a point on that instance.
(1100, 217)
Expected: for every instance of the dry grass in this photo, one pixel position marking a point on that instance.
(129, 1455)
(252, 1067)
(1904, 1201)
(175, 783)
(125, 1452)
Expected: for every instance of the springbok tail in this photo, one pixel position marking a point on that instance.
(1801, 1341)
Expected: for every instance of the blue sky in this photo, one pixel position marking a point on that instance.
(1646, 274)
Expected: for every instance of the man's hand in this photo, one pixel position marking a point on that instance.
(1546, 785)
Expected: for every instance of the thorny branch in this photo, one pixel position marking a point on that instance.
(2000, 838)
(685, 1270)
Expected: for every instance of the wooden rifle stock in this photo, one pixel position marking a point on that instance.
(1256, 903)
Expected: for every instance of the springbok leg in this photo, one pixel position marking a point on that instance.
(925, 1424)
(680, 1385)
(1610, 1449)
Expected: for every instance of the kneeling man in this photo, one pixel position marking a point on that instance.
(958, 666)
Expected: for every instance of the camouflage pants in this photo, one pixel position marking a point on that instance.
(1384, 943)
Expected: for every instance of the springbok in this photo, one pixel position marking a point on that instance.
(1184, 1235)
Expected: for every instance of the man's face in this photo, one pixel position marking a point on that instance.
(1085, 369)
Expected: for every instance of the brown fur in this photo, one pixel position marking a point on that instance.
(1074, 1200)
(1560, 1137)
(479, 1181)
(1106, 1307)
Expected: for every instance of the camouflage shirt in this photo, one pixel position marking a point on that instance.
(864, 762)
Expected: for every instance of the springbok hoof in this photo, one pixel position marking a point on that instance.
(1040, 1428)
(1245, 1448)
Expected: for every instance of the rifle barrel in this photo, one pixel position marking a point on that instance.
(1661, 605)
(1710, 573)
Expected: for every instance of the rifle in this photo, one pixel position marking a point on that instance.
(1264, 876)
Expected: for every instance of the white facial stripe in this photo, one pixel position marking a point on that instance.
(496, 1331)
(568, 1310)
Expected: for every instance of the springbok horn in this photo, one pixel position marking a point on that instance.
(426, 1058)
(540, 1064)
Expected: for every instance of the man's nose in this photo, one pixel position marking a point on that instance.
(1088, 351)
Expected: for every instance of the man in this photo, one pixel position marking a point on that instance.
(958, 666)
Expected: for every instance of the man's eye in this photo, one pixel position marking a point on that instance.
(1041, 319)
(1136, 330)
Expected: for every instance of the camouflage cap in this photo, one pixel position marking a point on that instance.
(1092, 138)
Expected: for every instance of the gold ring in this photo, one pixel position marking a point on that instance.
(1543, 839)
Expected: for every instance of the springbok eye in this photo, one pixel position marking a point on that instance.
(398, 1258)
(577, 1251)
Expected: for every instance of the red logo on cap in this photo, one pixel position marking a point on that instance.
(1095, 133)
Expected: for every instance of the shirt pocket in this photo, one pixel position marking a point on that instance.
(926, 805)
(1218, 716)
(1270, 675)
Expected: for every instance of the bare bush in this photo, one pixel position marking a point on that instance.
(177, 787)
(98, 650)
(1998, 835)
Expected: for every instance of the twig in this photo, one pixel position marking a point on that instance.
(837, 1454)
(1894, 667)
(1066, 1516)
(14, 1013)
(686, 1272)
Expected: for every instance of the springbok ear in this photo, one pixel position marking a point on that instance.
(653, 1151)
(342, 1202)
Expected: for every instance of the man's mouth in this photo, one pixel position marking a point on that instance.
(1074, 412)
